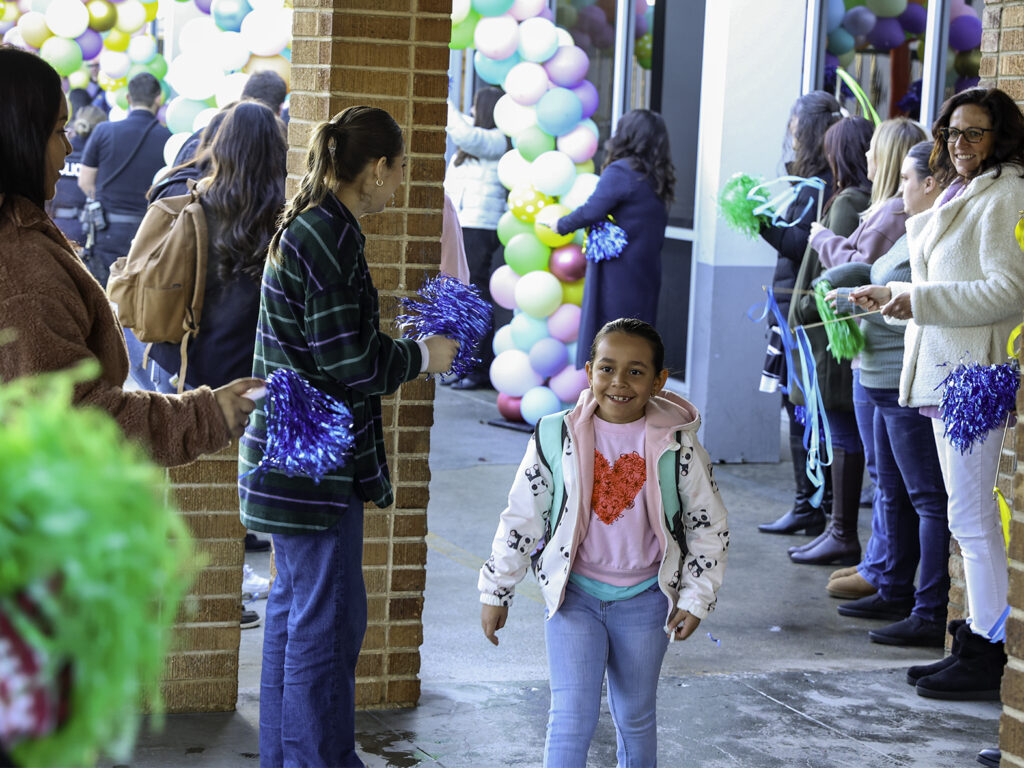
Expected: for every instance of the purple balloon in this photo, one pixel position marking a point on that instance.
(548, 357)
(965, 32)
(590, 19)
(859, 20)
(963, 83)
(204, 5)
(586, 92)
(886, 35)
(546, 13)
(91, 44)
(831, 60)
(914, 19)
(640, 25)
(568, 66)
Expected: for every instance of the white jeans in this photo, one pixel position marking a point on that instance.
(974, 522)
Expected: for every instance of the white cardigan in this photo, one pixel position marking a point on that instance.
(473, 186)
(967, 283)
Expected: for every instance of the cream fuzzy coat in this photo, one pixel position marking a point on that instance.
(967, 283)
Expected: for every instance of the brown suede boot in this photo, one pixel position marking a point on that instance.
(852, 587)
(841, 547)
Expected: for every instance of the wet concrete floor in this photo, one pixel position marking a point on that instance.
(783, 680)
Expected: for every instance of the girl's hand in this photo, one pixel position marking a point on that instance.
(681, 625)
(492, 618)
(899, 308)
(816, 228)
(871, 297)
(442, 351)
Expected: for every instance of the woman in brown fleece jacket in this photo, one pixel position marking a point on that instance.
(53, 313)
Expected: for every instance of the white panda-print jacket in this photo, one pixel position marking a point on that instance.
(693, 549)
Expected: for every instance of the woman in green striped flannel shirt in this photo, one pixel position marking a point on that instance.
(319, 316)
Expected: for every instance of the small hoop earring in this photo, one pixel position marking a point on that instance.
(380, 182)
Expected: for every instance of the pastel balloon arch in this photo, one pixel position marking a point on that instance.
(218, 49)
(549, 172)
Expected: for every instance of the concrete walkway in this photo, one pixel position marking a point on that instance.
(785, 681)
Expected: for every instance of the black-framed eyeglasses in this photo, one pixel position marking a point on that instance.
(973, 135)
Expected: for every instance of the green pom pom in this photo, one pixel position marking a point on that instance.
(737, 208)
(845, 341)
(86, 528)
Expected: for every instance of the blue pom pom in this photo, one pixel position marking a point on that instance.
(604, 241)
(975, 400)
(453, 309)
(308, 433)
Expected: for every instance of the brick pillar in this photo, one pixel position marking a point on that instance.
(1002, 66)
(202, 672)
(391, 54)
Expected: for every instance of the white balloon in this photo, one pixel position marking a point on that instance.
(564, 38)
(525, 9)
(538, 39)
(580, 191)
(199, 35)
(67, 18)
(230, 88)
(159, 174)
(460, 10)
(231, 51)
(117, 113)
(190, 75)
(513, 118)
(266, 32)
(203, 119)
(503, 339)
(114, 64)
(266, 5)
(173, 145)
(553, 173)
(142, 48)
(513, 169)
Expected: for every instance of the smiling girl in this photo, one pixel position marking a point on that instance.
(631, 556)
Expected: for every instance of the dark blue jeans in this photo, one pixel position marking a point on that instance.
(873, 562)
(913, 506)
(316, 619)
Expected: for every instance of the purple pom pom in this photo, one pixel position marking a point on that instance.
(453, 309)
(605, 240)
(308, 433)
(976, 400)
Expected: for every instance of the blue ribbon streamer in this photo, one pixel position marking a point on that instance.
(771, 307)
(816, 428)
(775, 207)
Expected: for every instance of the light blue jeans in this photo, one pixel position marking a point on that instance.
(585, 638)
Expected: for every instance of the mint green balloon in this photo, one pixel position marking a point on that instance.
(62, 54)
(886, 8)
(534, 142)
(525, 253)
(509, 226)
(492, 7)
(157, 66)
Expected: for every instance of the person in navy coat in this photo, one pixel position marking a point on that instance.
(635, 189)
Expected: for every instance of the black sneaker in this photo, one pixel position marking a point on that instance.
(874, 607)
(250, 619)
(254, 543)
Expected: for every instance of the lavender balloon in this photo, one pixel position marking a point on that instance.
(548, 357)
(859, 20)
(586, 92)
(568, 66)
(91, 44)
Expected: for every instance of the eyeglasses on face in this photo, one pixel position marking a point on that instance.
(973, 135)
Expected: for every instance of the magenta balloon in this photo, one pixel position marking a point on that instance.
(586, 92)
(886, 35)
(965, 33)
(508, 407)
(91, 44)
(568, 383)
(914, 19)
(564, 323)
(568, 263)
(548, 357)
(568, 66)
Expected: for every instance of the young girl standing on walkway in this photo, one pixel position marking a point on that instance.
(319, 316)
(627, 535)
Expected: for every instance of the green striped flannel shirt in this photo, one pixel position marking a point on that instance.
(319, 316)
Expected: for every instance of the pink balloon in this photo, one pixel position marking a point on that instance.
(568, 383)
(496, 37)
(526, 82)
(527, 9)
(508, 407)
(586, 92)
(564, 323)
(568, 66)
(579, 144)
(503, 286)
(568, 263)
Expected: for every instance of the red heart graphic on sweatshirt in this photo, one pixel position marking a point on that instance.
(616, 487)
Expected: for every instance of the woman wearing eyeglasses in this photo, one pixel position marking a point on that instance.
(965, 296)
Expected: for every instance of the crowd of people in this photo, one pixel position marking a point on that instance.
(915, 235)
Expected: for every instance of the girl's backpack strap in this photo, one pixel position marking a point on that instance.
(548, 434)
(668, 479)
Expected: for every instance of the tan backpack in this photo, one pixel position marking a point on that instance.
(158, 287)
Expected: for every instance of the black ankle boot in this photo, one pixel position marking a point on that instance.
(974, 676)
(923, 670)
(802, 517)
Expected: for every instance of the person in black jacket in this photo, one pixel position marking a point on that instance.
(66, 206)
(812, 115)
